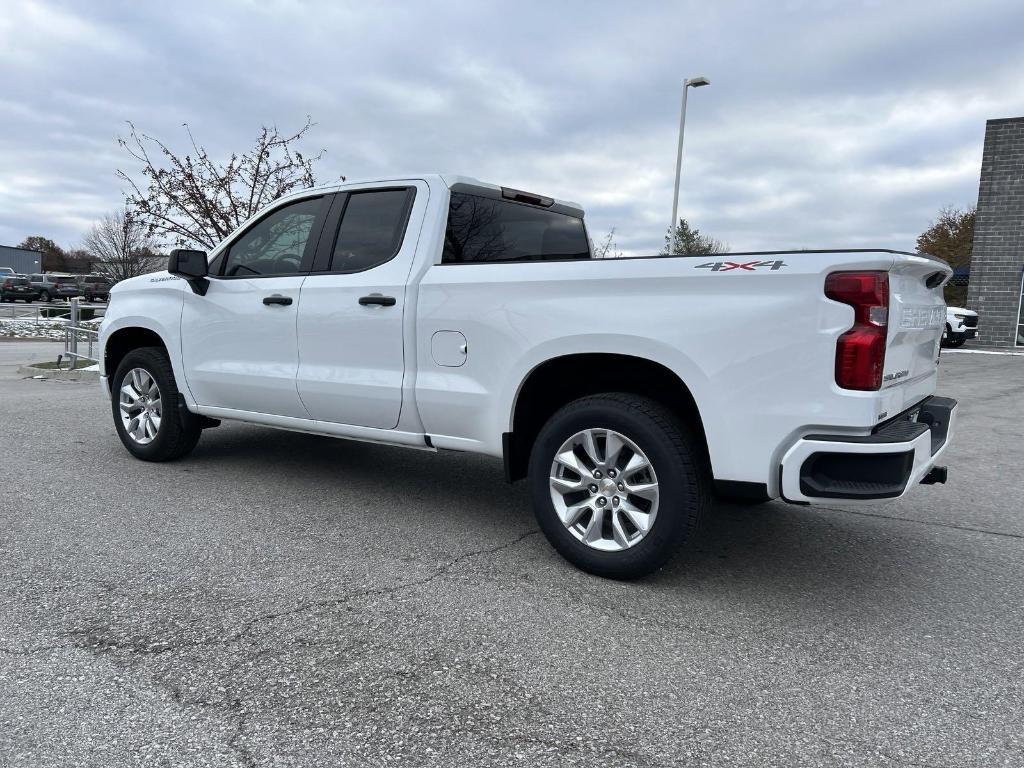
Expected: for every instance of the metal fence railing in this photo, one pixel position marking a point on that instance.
(77, 337)
(30, 312)
(44, 313)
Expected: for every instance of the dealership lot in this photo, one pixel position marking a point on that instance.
(283, 599)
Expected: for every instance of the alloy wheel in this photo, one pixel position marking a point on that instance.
(604, 489)
(141, 407)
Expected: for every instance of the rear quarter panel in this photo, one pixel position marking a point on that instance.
(755, 347)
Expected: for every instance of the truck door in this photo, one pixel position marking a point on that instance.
(238, 341)
(350, 323)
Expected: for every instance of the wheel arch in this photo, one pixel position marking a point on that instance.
(122, 341)
(560, 380)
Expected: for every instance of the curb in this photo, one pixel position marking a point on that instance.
(52, 373)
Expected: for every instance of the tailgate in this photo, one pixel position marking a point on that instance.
(917, 314)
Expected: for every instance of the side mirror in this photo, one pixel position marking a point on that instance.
(192, 266)
(188, 264)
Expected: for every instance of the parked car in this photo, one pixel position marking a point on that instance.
(55, 286)
(961, 325)
(17, 288)
(7, 272)
(444, 313)
(94, 287)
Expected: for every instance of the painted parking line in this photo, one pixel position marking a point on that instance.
(981, 352)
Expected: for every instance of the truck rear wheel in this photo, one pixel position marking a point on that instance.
(144, 398)
(618, 484)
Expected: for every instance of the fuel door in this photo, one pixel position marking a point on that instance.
(449, 348)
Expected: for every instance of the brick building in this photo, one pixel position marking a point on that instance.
(996, 285)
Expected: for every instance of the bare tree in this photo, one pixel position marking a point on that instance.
(121, 247)
(196, 201)
(608, 248)
(78, 261)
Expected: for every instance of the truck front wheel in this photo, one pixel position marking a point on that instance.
(618, 484)
(144, 398)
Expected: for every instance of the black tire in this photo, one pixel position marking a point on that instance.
(679, 461)
(179, 428)
(950, 339)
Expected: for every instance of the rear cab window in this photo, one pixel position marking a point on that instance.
(372, 228)
(486, 229)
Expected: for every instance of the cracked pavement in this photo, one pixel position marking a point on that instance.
(289, 600)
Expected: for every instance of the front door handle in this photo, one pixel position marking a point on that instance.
(277, 298)
(376, 298)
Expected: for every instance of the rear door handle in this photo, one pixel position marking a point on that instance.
(277, 298)
(376, 298)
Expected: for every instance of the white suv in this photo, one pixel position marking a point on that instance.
(961, 325)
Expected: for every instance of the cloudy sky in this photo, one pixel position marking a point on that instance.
(828, 124)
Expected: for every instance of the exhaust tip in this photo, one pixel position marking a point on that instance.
(936, 475)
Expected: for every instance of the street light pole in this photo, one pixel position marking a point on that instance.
(692, 82)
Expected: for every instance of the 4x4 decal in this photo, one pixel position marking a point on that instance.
(748, 266)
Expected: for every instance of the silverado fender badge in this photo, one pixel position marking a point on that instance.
(745, 266)
(895, 376)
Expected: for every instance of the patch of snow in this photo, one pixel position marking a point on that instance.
(20, 328)
(30, 329)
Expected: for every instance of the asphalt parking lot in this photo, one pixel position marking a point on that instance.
(286, 600)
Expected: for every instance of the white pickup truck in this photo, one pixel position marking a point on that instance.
(439, 312)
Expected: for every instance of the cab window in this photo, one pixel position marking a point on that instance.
(371, 230)
(482, 229)
(278, 244)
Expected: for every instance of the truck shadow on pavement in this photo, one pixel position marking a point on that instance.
(773, 550)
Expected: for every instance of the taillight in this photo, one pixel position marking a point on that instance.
(860, 351)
